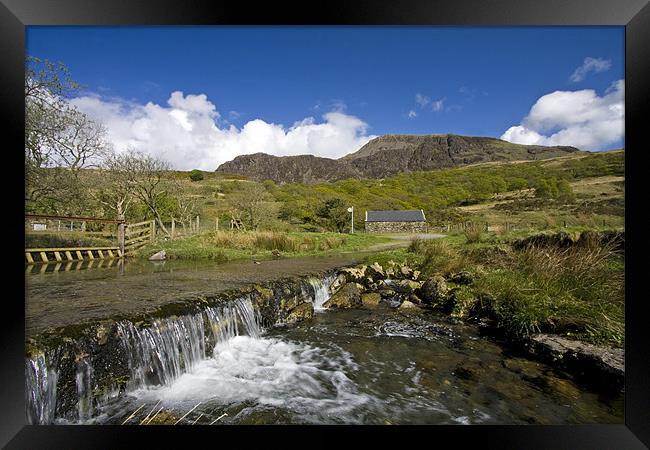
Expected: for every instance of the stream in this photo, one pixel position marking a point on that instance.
(357, 366)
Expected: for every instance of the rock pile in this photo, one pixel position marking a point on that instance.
(394, 285)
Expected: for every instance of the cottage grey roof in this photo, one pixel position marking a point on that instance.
(395, 216)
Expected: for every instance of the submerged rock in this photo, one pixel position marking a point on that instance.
(601, 365)
(349, 296)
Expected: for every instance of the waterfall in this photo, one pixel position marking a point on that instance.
(159, 354)
(156, 355)
(41, 377)
(84, 380)
(321, 290)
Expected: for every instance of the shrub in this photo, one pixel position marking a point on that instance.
(196, 175)
(473, 233)
(578, 291)
(438, 257)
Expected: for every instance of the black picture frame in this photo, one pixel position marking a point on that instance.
(15, 15)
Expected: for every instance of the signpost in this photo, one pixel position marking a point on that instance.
(351, 210)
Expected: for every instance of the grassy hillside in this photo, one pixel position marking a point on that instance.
(492, 192)
(446, 195)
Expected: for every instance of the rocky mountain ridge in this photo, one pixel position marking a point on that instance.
(389, 155)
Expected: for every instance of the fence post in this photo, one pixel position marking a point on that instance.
(152, 234)
(83, 226)
(216, 223)
(173, 227)
(120, 234)
(197, 224)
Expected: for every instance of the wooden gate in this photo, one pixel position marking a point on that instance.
(137, 235)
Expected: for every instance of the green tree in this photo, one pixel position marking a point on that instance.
(335, 213)
(59, 140)
(565, 191)
(542, 189)
(253, 204)
(196, 175)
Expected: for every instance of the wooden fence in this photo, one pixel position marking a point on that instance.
(46, 255)
(136, 235)
(462, 226)
(73, 266)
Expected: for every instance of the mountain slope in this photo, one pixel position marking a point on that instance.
(289, 169)
(388, 155)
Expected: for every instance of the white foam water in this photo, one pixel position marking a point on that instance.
(269, 372)
(41, 377)
(321, 291)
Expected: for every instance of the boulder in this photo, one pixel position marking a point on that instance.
(337, 283)
(304, 311)
(408, 286)
(406, 271)
(387, 293)
(370, 299)
(406, 304)
(354, 274)
(160, 256)
(434, 290)
(262, 295)
(416, 275)
(375, 272)
(348, 296)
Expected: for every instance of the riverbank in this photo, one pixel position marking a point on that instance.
(222, 246)
(174, 323)
(218, 359)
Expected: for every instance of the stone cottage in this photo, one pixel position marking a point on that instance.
(396, 221)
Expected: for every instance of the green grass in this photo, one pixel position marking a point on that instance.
(227, 246)
(400, 256)
(577, 292)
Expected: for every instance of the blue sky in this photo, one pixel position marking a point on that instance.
(415, 80)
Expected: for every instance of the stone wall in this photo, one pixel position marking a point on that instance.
(396, 227)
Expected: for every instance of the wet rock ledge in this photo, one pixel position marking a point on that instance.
(399, 286)
(90, 363)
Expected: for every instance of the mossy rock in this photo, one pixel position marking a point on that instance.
(304, 311)
(349, 296)
(370, 299)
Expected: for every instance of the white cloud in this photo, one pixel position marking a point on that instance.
(590, 65)
(189, 133)
(581, 119)
(422, 100)
(435, 105)
(412, 114)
